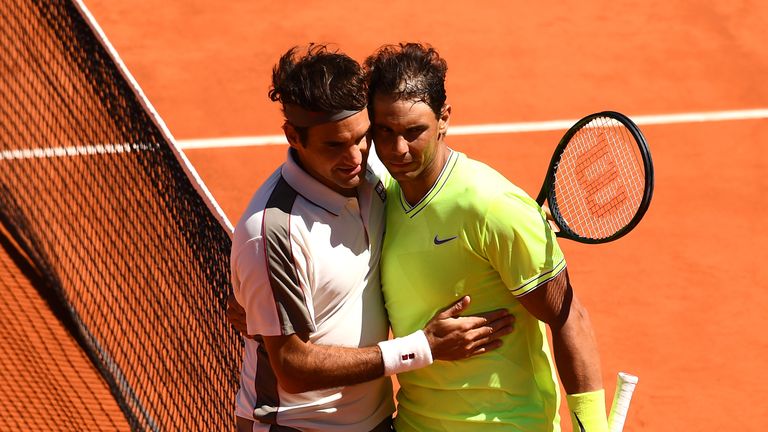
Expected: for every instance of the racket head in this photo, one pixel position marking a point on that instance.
(600, 180)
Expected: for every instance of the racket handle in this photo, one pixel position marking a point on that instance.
(625, 386)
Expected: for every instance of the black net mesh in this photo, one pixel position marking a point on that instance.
(94, 195)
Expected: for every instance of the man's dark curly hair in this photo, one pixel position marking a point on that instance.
(319, 80)
(408, 71)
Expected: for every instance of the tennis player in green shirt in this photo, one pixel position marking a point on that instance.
(456, 227)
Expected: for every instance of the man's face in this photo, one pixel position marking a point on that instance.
(408, 138)
(335, 153)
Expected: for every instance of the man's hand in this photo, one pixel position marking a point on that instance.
(452, 337)
(550, 219)
(236, 316)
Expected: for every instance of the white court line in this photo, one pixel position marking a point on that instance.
(266, 140)
(247, 141)
(500, 128)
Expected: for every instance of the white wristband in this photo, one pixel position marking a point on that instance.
(406, 353)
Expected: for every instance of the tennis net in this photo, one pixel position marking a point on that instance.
(94, 191)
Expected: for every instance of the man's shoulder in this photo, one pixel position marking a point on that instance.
(249, 225)
(477, 181)
(486, 190)
(481, 174)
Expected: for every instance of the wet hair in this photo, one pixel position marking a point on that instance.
(408, 71)
(318, 79)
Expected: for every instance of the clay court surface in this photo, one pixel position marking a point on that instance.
(680, 301)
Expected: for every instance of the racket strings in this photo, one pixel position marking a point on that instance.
(600, 179)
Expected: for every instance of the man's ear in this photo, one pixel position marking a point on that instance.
(291, 135)
(445, 117)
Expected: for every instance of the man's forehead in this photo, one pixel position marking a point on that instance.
(391, 105)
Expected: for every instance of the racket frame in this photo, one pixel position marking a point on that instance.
(547, 192)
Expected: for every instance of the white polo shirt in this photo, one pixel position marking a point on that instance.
(305, 259)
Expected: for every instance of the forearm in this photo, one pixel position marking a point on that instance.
(303, 366)
(317, 367)
(576, 354)
(578, 363)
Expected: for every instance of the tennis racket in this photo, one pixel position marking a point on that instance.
(625, 386)
(600, 180)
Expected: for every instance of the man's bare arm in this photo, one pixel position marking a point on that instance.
(302, 366)
(573, 339)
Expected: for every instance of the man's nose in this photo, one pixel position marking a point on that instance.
(401, 145)
(355, 153)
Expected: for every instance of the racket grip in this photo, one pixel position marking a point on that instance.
(625, 386)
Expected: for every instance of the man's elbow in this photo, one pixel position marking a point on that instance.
(293, 386)
(576, 317)
(294, 378)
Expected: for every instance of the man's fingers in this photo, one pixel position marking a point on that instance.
(234, 309)
(496, 318)
(231, 300)
(455, 309)
(554, 226)
(490, 346)
(547, 211)
(550, 219)
(233, 312)
(502, 321)
(494, 315)
(233, 305)
(492, 331)
(235, 315)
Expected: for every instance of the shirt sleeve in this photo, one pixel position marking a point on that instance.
(520, 244)
(273, 300)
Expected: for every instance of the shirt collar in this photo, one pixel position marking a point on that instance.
(442, 179)
(311, 189)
